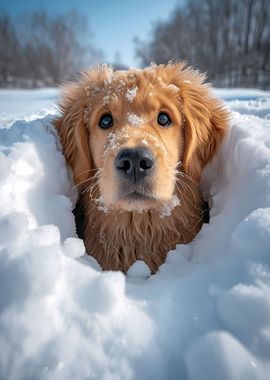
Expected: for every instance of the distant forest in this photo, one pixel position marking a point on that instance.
(41, 50)
(227, 39)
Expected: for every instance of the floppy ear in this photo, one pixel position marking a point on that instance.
(205, 124)
(73, 132)
(205, 118)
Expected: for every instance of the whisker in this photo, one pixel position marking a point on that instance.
(183, 174)
(89, 170)
(80, 183)
(98, 172)
(90, 188)
(187, 187)
(201, 211)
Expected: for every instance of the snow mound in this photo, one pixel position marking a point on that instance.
(206, 314)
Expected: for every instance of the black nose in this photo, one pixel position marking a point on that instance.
(134, 163)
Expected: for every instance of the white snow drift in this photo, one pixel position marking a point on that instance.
(205, 315)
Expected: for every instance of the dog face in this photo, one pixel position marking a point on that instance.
(135, 139)
(137, 130)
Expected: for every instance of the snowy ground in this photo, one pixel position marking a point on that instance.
(205, 315)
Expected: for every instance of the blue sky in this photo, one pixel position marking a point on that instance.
(114, 23)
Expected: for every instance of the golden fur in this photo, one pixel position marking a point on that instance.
(119, 231)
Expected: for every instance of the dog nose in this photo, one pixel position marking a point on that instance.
(134, 163)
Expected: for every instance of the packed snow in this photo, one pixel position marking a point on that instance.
(204, 315)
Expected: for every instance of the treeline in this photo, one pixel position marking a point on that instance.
(229, 40)
(43, 50)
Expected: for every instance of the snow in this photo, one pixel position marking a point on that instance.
(108, 71)
(138, 270)
(204, 315)
(131, 93)
(220, 354)
(135, 120)
(26, 105)
(106, 99)
(169, 206)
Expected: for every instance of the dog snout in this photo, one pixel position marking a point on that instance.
(134, 163)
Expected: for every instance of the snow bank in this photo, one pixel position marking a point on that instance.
(205, 315)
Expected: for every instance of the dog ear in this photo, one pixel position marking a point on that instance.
(73, 132)
(205, 125)
(205, 119)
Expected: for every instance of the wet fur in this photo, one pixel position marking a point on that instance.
(120, 237)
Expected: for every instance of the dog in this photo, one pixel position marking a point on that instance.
(137, 142)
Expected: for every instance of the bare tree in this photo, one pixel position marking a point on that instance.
(229, 39)
(9, 49)
(44, 50)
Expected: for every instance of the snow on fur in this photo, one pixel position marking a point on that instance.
(135, 120)
(131, 93)
(206, 314)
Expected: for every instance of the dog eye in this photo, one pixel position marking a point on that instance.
(163, 119)
(106, 121)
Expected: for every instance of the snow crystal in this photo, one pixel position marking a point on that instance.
(86, 115)
(106, 100)
(122, 83)
(88, 91)
(111, 144)
(108, 71)
(102, 206)
(131, 93)
(92, 90)
(95, 89)
(135, 120)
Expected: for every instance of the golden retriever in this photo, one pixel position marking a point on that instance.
(137, 142)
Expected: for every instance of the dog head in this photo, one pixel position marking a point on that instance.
(138, 130)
